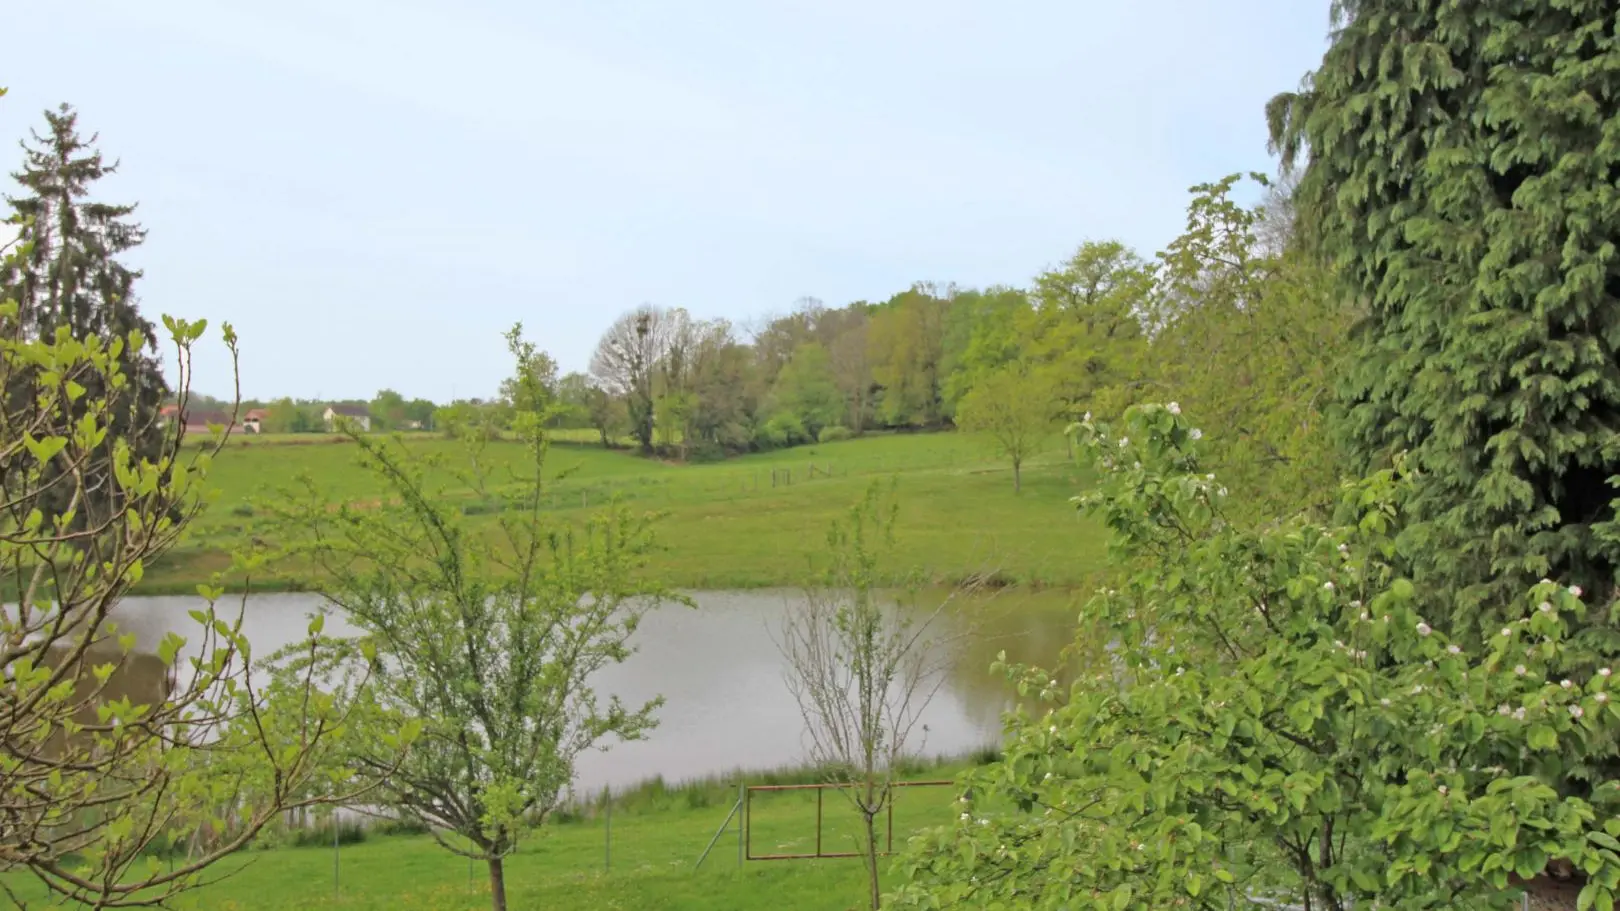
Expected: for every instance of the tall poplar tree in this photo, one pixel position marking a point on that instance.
(1461, 171)
(70, 275)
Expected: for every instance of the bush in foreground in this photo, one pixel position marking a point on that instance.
(1281, 717)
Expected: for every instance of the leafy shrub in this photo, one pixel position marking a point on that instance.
(782, 429)
(392, 826)
(1280, 716)
(349, 832)
(834, 433)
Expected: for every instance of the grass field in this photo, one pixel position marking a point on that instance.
(746, 522)
(657, 837)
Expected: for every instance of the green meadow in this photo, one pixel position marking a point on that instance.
(746, 522)
(640, 855)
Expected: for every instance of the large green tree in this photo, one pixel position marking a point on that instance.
(70, 276)
(1085, 333)
(1251, 336)
(1460, 172)
(807, 389)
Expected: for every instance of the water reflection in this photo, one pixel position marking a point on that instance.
(726, 704)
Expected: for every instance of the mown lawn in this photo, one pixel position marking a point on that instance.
(653, 854)
(747, 522)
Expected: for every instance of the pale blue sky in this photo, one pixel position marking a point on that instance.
(372, 190)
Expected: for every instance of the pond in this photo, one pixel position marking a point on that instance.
(727, 705)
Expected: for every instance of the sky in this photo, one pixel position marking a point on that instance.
(372, 191)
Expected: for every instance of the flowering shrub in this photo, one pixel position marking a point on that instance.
(1279, 717)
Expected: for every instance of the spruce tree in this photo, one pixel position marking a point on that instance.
(71, 276)
(1461, 168)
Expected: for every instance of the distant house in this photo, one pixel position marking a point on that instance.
(253, 421)
(197, 421)
(356, 413)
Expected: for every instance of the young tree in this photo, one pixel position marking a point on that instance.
(69, 275)
(488, 638)
(862, 668)
(573, 401)
(608, 414)
(1013, 406)
(533, 386)
(107, 754)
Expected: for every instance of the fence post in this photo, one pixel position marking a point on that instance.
(607, 838)
(742, 820)
(336, 855)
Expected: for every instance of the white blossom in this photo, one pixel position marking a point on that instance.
(1384, 703)
(1087, 418)
(1504, 709)
(1124, 441)
(1604, 672)
(1518, 713)
(1507, 630)
(1424, 629)
(966, 817)
(1444, 790)
(1222, 491)
(1454, 649)
(1210, 476)
(1195, 434)
(1344, 548)
(1577, 711)
(1053, 729)
(1601, 697)
(1545, 607)
(1567, 684)
(1048, 777)
(1575, 590)
(1357, 603)
(1366, 616)
(1416, 690)
(1328, 586)
(1174, 408)
(1520, 670)
(983, 821)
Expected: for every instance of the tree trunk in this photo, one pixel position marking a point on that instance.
(497, 885)
(1018, 479)
(871, 859)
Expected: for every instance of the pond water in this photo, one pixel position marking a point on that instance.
(718, 668)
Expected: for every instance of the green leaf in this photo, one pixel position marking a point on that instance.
(1542, 737)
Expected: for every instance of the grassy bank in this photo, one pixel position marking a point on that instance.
(658, 832)
(747, 522)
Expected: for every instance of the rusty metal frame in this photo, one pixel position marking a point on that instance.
(821, 790)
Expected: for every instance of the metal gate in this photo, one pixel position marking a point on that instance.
(821, 792)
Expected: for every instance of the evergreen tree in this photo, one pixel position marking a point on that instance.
(1461, 171)
(70, 276)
